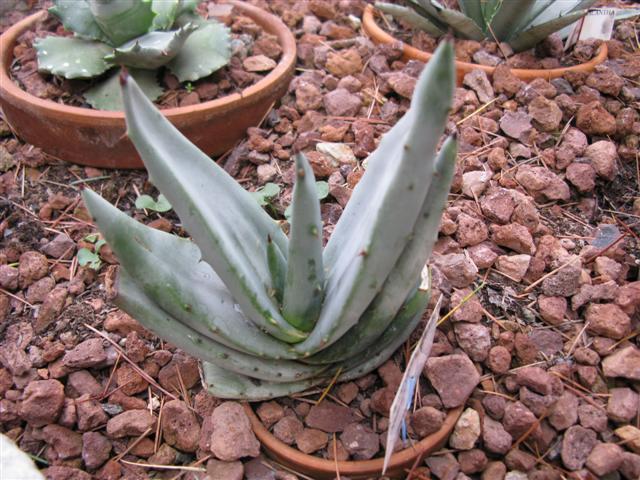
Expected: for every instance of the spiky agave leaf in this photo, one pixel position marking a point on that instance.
(106, 95)
(122, 20)
(534, 35)
(165, 12)
(72, 57)
(509, 15)
(410, 16)
(221, 216)
(76, 16)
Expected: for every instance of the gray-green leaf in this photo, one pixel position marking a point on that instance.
(72, 57)
(76, 17)
(107, 95)
(148, 203)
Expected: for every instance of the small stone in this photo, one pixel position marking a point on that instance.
(564, 412)
(180, 427)
(498, 206)
(95, 449)
(499, 360)
(516, 125)
(189, 375)
(42, 402)
(630, 465)
(623, 405)
(344, 62)
(427, 420)
(605, 458)
(258, 63)
(471, 230)
(472, 461)
(62, 246)
(577, 444)
(516, 459)
(630, 435)
(308, 96)
(547, 341)
(342, 103)
(130, 423)
(453, 376)
(623, 363)
(478, 81)
(592, 417)
(402, 84)
(32, 266)
(608, 320)
(311, 440)
(217, 470)
(90, 413)
(545, 113)
(360, 441)
(496, 439)
(517, 419)
(505, 82)
(232, 437)
(564, 282)
(582, 176)
(469, 311)
(514, 236)
(287, 428)
(466, 431)
(444, 467)
(514, 266)
(535, 378)
(269, 413)
(347, 392)
(593, 119)
(474, 339)
(603, 156)
(458, 269)
(65, 442)
(381, 401)
(89, 353)
(329, 417)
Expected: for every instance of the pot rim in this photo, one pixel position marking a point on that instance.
(249, 95)
(309, 463)
(374, 31)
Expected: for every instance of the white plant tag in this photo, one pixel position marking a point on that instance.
(597, 24)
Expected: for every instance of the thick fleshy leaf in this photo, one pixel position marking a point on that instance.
(473, 10)
(375, 240)
(132, 299)
(122, 20)
(559, 9)
(162, 264)
(107, 95)
(165, 13)
(205, 51)
(409, 16)
(222, 217)
(530, 37)
(304, 286)
(152, 50)
(76, 17)
(72, 57)
(509, 15)
(459, 22)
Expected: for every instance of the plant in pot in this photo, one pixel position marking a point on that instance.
(141, 35)
(144, 36)
(521, 24)
(271, 315)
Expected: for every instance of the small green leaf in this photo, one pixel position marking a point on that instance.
(76, 17)
(205, 51)
(266, 193)
(87, 258)
(322, 188)
(165, 13)
(72, 57)
(122, 20)
(148, 203)
(107, 95)
(92, 237)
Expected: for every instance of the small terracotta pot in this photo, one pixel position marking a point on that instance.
(97, 138)
(320, 469)
(378, 35)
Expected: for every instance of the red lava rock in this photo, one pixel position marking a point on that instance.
(592, 417)
(630, 465)
(482, 255)
(623, 363)
(582, 176)
(308, 97)
(603, 156)
(546, 114)
(605, 81)
(89, 353)
(381, 401)
(232, 436)
(628, 297)
(129, 380)
(427, 420)
(577, 444)
(453, 376)
(474, 339)
(593, 119)
(535, 378)
(258, 63)
(498, 205)
(514, 236)
(471, 230)
(517, 125)
(552, 309)
(605, 458)
(121, 323)
(390, 374)
(189, 373)
(514, 266)
(217, 470)
(180, 427)
(342, 103)
(329, 417)
(607, 320)
(499, 359)
(573, 145)
(130, 423)
(563, 283)
(472, 461)
(90, 413)
(65, 442)
(564, 412)
(445, 466)
(344, 62)
(287, 428)
(516, 459)
(33, 266)
(494, 406)
(347, 392)
(96, 449)
(60, 472)
(269, 413)
(517, 419)
(470, 311)
(402, 84)
(360, 441)
(458, 269)
(50, 308)
(622, 405)
(496, 439)
(478, 81)
(311, 440)
(42, 402)
(505, 82)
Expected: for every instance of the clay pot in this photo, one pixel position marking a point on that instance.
(320, 469)
(97, 138)
(378, 35)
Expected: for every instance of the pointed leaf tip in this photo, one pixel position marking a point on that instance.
(124, 76)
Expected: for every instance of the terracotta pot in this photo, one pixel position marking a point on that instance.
(97, 138)
(378, 35)
(320, 469)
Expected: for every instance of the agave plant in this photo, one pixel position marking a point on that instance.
(143, 35)
(520, 23)
(268, 314)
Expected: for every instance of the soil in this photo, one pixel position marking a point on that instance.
(247, 39)
(544, 216)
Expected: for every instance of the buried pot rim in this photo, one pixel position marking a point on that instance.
(320, 468)
(378, 35)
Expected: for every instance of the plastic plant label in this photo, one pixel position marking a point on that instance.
(597, 24)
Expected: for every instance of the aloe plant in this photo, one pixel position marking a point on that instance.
(520, 23)
(142, 35)
(268, 314)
